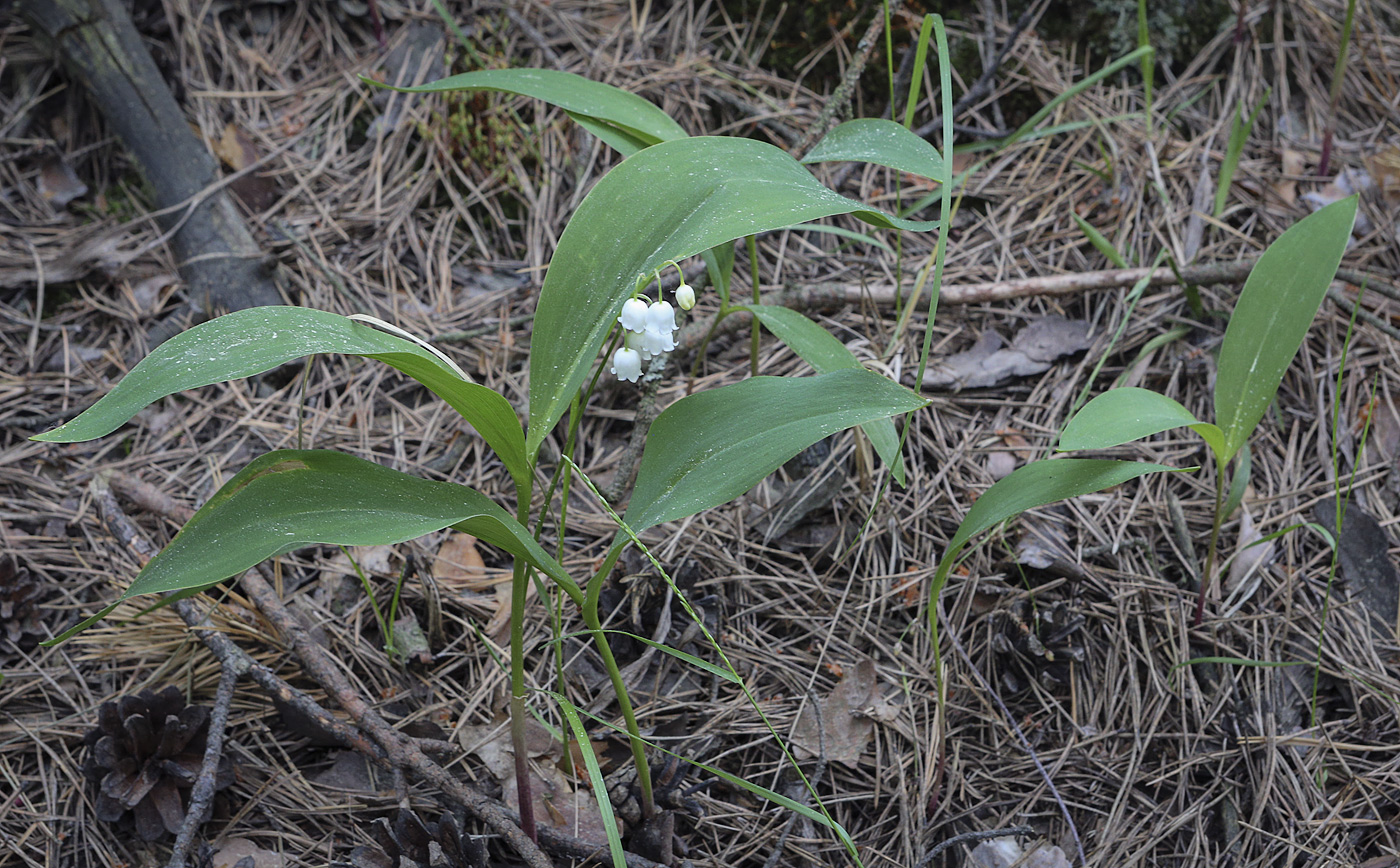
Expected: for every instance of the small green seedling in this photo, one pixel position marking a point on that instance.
(1271, 318)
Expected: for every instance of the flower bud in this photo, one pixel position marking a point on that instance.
(685, 296)
(634, 314)
(627, 364)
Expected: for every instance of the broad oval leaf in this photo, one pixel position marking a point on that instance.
(880, 141)
(255, 340)
(623, 120)
(820, 349)
(292, 498)
(1037, 484)
(670, 201)
(708, 448)
(1271, 318)
(1121, 416)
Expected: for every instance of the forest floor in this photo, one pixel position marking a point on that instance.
(1065, 708)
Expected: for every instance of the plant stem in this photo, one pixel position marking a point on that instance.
(624, 702)
(519, 586)
(753, 333)
(1209, 575)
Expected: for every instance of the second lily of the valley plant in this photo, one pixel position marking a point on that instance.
(673, 197)
(1270, 319)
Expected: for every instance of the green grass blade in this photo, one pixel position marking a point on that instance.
(595, 779)
(1234, 147)
(1101, 244)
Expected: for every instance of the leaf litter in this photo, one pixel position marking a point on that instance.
(1197, 766)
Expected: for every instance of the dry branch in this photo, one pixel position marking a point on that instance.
(389, 745)
(222, 264)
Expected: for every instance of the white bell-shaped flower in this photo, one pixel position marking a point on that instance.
(685, 296)
(661, 317)
(634, 315)
(627, 364)
(655, 343)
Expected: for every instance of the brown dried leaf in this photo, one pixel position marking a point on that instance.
(840, 724)
(236, 850)
(1385, 171)
(458, 565)
(1293, 165)
(58, 184)
(987, 363)
(235, 149)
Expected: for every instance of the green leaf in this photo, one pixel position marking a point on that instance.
(1102, 244)
(670, 201)
(289, 499)
(820, 349)
(697, 662)
(1121, 416)
(618, 117)
(596, 783)
(1271, 318)
(1239, 134)
(1037, 484)
(879, 141)
(843, 233)
(255, 340)
(708, 448)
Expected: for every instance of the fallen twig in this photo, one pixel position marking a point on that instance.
(981, 835)
(388, 745)
(202, 794)
(841, 97)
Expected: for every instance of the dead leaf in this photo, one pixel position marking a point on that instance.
(410, 645)
(1349, 181)
(1293, 163)
(1202, 202)
(839, 725)
(1000, 464)
(238, 152)
(1251, 556)
(1364, 551)
(1385, 171)
(349, 772)
(1006, 852)
(374, 560)
(58, 184)
(458, 565)
(557, 803)
(1032, 351)
(235, 149)
(235, 850)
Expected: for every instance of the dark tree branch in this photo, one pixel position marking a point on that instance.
(219, 260)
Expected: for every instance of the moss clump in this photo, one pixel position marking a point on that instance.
(1179, 29)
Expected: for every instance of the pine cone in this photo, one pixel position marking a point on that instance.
(19, 606)
(146, 752)
(410, 838)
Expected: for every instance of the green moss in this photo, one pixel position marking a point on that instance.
(1179, 29)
